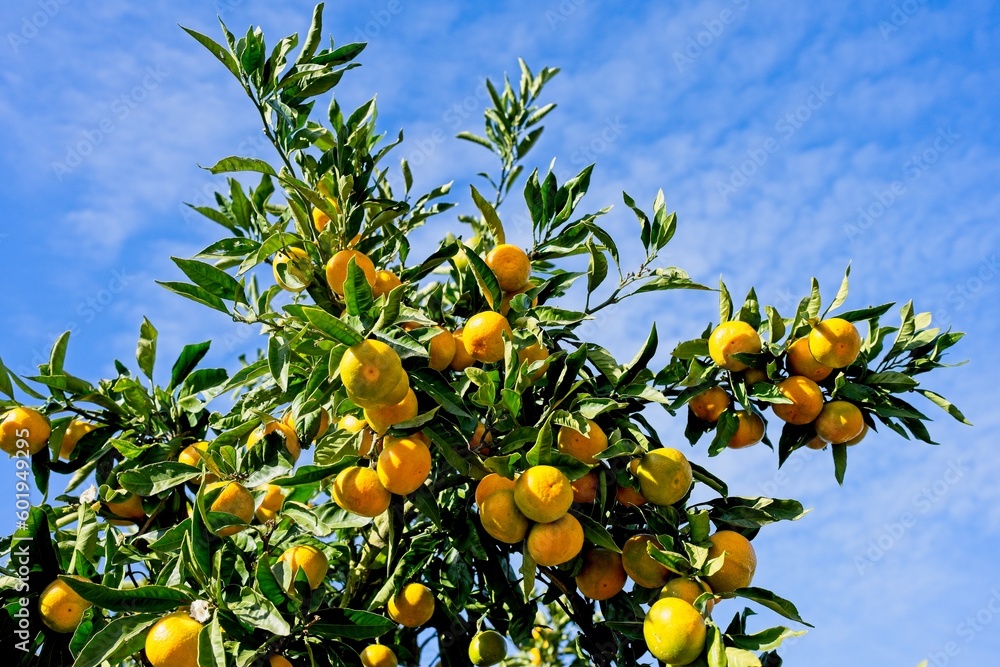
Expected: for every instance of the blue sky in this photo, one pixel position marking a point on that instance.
(792, 138)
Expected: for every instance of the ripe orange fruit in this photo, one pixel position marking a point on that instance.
(674, 631)
(739, 565)
(24, 428)
(336, 269)
(733, 337)
(642, 568)
(311, 560)
(687, 589)
(480, 440)
(710, 404)
(271, 503)
(173, 641)
(462, 358)
(321, 219)
(839, 422)
(835, 342)
(60, 607)
(483, 336)
(754, 375)
(191, 455)
(358, 490)
(324, 422)
(501, 518)
(491, 484)
(800, 361)
(628, 496)
(511, 266)
(275, 660)
(74, 432)
(293, 269)
(585, 488)
(403, 465)
(557, 542)
(817, 443)
(664, 476)
(750, 430)
(532, 353)
(381, 419)
(372, 372)
(377, 655)
(232, 499)
(487, 648)
(385, 282)
(806, 397)
(413, 606)
(130, 509)
(543, 493)
(291, 439)
(602, 575)
(442, 350)
(580, 446)
(354, 425)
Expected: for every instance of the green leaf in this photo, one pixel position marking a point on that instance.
(839, 462)
(596, 533)
(351, 624)
(638, 364)
(945, 405)
(121, 638)
(485, 277)
(196, 294)
(145, 352)
(892, 381)
(331, 327)
(490, 216)
(149, 598)
(357, 291)
(215, 281)
(841, 293)
(211, 651)
(235, 164)
(188, 360)
(725, 303)
(153, 478)
(314, 37)
(257, 611)
(277, 361)
(224, 56)
(716, 650)
(597, 270)
(468, 136)
(772, 602)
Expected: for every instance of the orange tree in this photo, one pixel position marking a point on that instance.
(480, 472)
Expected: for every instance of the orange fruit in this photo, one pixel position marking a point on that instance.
(710, 404)
(232, 499)
(385, 282)
(532, 353)
(501, 518)
(336, 269)
(413, 606)
(491, 484)
(482, 336)
(754, 375)
(381, 419)
(800, 361)
(321, 219)
(173, 641)
(291, 439)
(311, 560)
(372, 373)
(60, 607)
(817, 443)
(839, 422)
(293, 269)
(543, 493)
(739, 565)
(358, 490)
(508, 296)
(859, 437)
(806, 397)
(674, 631)
(130, 508)
(275, 660)
(271, 503)
(664, 476)
(580, 446)
(192, 456)
(324, 422)
(480, 440)
(602, 575)
(627, 496)
(557, 542)
(74, 432)
(442, 350)
(642, 568)
(377, 655)
(487, 648)
(462, 358)
(511, 266)
(749, 431)
(687, 589)
(403, 465)
(733, 337)
(24, 428)
(354, 425)
(834, 342)
(585, 488)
